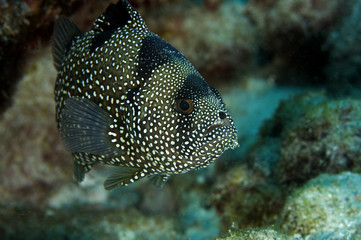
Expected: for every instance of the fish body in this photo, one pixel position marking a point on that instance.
(126, 97)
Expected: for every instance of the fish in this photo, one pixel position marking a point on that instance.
(125, 97)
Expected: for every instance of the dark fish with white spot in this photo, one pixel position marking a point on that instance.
(126, 97)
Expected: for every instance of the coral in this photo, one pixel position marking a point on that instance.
(245, 199)
(256, 234)
(148, 4)
(284, 23)
(33, 161)
(11, 29)
(220, 41)
(325, 139)
(265, 153)
(292, 34)
(24, 25)
(84, 223)
(226, 44)
(309, 134)
(327, 207)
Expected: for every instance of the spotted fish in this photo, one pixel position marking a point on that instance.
(126, 97)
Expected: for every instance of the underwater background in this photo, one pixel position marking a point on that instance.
(289, 73)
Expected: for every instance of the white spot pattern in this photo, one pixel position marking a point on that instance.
(149, 133)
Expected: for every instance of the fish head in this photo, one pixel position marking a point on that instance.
(183, 119)
(205, 127)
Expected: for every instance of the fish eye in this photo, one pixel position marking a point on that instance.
(184, 106)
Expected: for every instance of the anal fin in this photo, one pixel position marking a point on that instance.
(79, 172)
(82, 165)
(159, 180)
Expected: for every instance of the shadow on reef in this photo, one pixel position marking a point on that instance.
(27, 26)
(24, 25)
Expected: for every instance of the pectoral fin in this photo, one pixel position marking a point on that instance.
(84, 128)
(122, 177)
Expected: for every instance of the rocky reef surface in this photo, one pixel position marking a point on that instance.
(326, 207)
(287, 71)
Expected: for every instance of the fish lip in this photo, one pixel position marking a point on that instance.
(212, 127)
(217, 124)
(233, 143)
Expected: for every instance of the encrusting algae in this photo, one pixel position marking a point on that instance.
(126, 97)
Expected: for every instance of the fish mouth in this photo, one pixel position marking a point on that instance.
(211, 128)
(232, 134)
(217, 124)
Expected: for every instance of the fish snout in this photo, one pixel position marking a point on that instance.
(224, 118)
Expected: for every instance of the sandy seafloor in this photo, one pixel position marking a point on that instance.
(289, 74)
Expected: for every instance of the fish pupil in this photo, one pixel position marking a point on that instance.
(184, 105)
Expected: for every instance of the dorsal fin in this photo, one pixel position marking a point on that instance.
(65, 31)
(117, 16)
